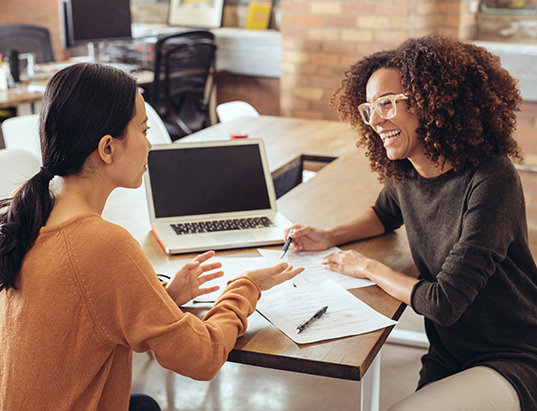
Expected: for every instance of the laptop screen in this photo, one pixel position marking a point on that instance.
(207, 180)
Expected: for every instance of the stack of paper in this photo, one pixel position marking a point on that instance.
(346, 315)
(290, 304)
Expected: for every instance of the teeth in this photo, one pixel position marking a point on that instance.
(390, 135)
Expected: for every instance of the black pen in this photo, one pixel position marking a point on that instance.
(287, 243)
(308, 322)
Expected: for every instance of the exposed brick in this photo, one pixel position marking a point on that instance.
(389, 37)
(341, 21)
(525, 121)
(324, 59)
(373, 22)
(310, 20)
(299, 32)
(296, 57)
(357, 35)
(426, 8)
(392, 9)
(358, 9)
(294, 7)
(448, 7)
(348, 61)
(338, 47)
(324, 34)
(528, 107)
(326, 8)
(308, 93)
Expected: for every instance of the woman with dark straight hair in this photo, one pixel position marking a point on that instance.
(71, 283)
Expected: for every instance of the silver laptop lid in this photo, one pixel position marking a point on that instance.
(209, 180)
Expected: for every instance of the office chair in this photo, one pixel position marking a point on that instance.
(16, 166)
(157, 133)
(22, 132)
(26, 38)
(235, 109)
(183, 81)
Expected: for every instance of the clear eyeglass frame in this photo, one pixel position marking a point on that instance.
(385, 107)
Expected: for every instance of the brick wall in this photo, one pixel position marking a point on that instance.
(45, 13)
(321, 39)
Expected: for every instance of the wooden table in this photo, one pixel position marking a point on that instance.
(338, 192)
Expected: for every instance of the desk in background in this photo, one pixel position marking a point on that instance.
(24, 95)
(338, 192)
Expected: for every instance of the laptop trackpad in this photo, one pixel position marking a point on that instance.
(226, 238)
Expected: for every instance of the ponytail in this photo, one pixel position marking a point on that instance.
(21, 218)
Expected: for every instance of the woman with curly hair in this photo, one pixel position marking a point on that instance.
(437, 117)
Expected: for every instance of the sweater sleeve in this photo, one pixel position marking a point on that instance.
(129, 306)
(491, 221)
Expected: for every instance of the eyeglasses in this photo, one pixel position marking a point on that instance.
(385, 107)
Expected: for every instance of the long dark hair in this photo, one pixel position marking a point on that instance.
(82, 104)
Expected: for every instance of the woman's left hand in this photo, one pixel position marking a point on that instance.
(349, 262)
(186, 284)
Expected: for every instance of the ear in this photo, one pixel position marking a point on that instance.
(106, 149)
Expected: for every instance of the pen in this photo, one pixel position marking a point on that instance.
(287, 243)
(308, 322)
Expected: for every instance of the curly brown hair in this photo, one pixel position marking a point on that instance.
(464, 100)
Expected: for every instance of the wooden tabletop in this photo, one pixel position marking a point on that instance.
(339, 192)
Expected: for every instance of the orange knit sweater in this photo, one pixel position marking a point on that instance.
(86, 298)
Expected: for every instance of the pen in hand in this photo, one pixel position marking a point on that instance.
(309, 321)
(287, 244)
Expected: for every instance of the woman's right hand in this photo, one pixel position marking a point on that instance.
(266, 278)
(306, 238)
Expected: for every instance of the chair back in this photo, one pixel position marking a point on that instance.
(235, 109)
(183, 81)
(27, 38)
(22, 132)
(16, 167)
(157, 133)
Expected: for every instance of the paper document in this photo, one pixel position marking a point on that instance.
(346, 315)
(314, 273)
(232, 267)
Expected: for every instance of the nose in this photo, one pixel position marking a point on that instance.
(375, 119)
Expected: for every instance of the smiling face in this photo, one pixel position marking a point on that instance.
(398, 133)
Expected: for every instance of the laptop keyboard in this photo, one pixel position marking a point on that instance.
(222, 225)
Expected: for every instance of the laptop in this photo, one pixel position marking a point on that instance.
(212, 195)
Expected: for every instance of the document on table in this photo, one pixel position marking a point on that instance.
(232, 267)
(314, 273)
(347, 315)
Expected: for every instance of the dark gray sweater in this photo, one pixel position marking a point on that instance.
(478, 282)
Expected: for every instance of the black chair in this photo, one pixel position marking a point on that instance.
(183, 81)
(26, 38)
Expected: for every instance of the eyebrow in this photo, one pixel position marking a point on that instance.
(145, 121)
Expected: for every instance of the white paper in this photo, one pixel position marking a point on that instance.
(346, 315)
(232, 267)
(314, 273)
